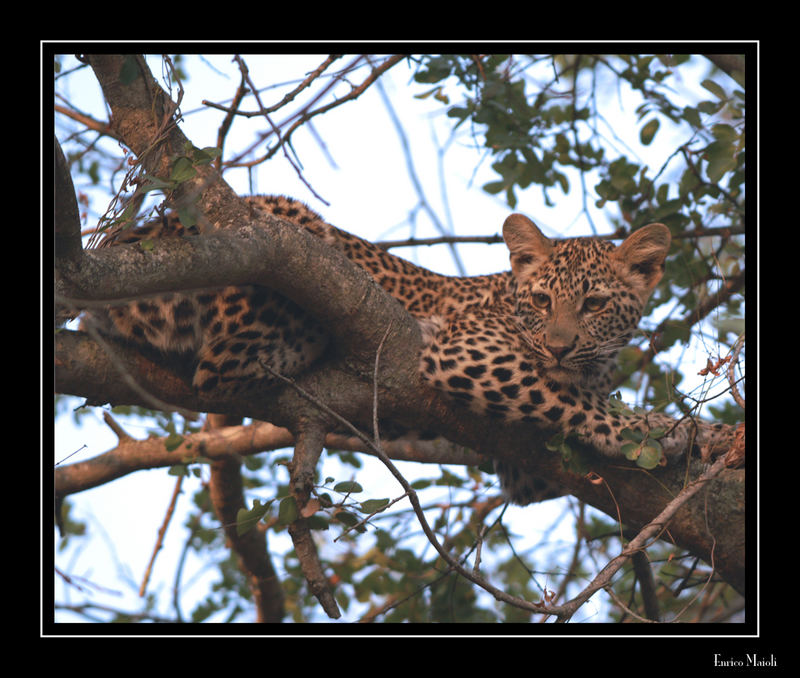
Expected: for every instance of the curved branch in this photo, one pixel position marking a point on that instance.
(226, 490)
(266, 251)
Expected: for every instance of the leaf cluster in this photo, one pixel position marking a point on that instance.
(547, 134)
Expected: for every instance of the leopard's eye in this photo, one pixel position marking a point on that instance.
(540, 301)
(594, 304)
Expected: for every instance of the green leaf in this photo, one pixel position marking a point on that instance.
(667, 208)
(725, 133)
(155, 184)
(346, 517)
(715, 89)
(317, 522)
(555, 443)
(692, 116)
(246, 519)
(618, 406)
(182, 170)
(437, 68)
(349, 519)
(287, 511)
(730, 325)
(494, 187)
(631, 450)
(649, 131)
(562, 181)
(94, 172)
(449, 479)
(188, 216)
(373, 505)
(632, 435)
(348, 487)
(173, 441)
(720, 161)
(205, 156)
(253, 462)
(458, 112)
(129, 71)
(675, 331)
(650, 455)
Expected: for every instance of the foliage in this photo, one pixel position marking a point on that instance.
(536, 138)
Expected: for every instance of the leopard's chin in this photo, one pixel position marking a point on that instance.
(562, 375)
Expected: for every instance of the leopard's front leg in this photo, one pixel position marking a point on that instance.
(482, 363)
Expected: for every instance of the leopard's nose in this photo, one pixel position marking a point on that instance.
(558, 352)
(559, 348)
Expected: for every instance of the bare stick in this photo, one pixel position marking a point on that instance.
(161, 532)
(737, 348)
(648, 532)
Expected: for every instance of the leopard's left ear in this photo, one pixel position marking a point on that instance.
(641, 257)
(528, 246)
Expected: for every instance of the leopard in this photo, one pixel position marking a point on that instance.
(536, 344)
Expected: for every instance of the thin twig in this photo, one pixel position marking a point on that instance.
(737, 348)
(415, 180)
(282, 143)
(412, 497)
(227, 121)
(288, 98)
(494, 239)
(648, 532)
(353, 94)
(161, 532)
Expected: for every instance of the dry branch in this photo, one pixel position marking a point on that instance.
(227, 495)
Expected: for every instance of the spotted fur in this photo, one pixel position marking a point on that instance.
(536, 344)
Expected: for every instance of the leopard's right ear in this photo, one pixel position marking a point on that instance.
(527, 245)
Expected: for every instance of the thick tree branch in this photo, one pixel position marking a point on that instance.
(265, 251)
(226, 490)
(85, 368)
(630, 494)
